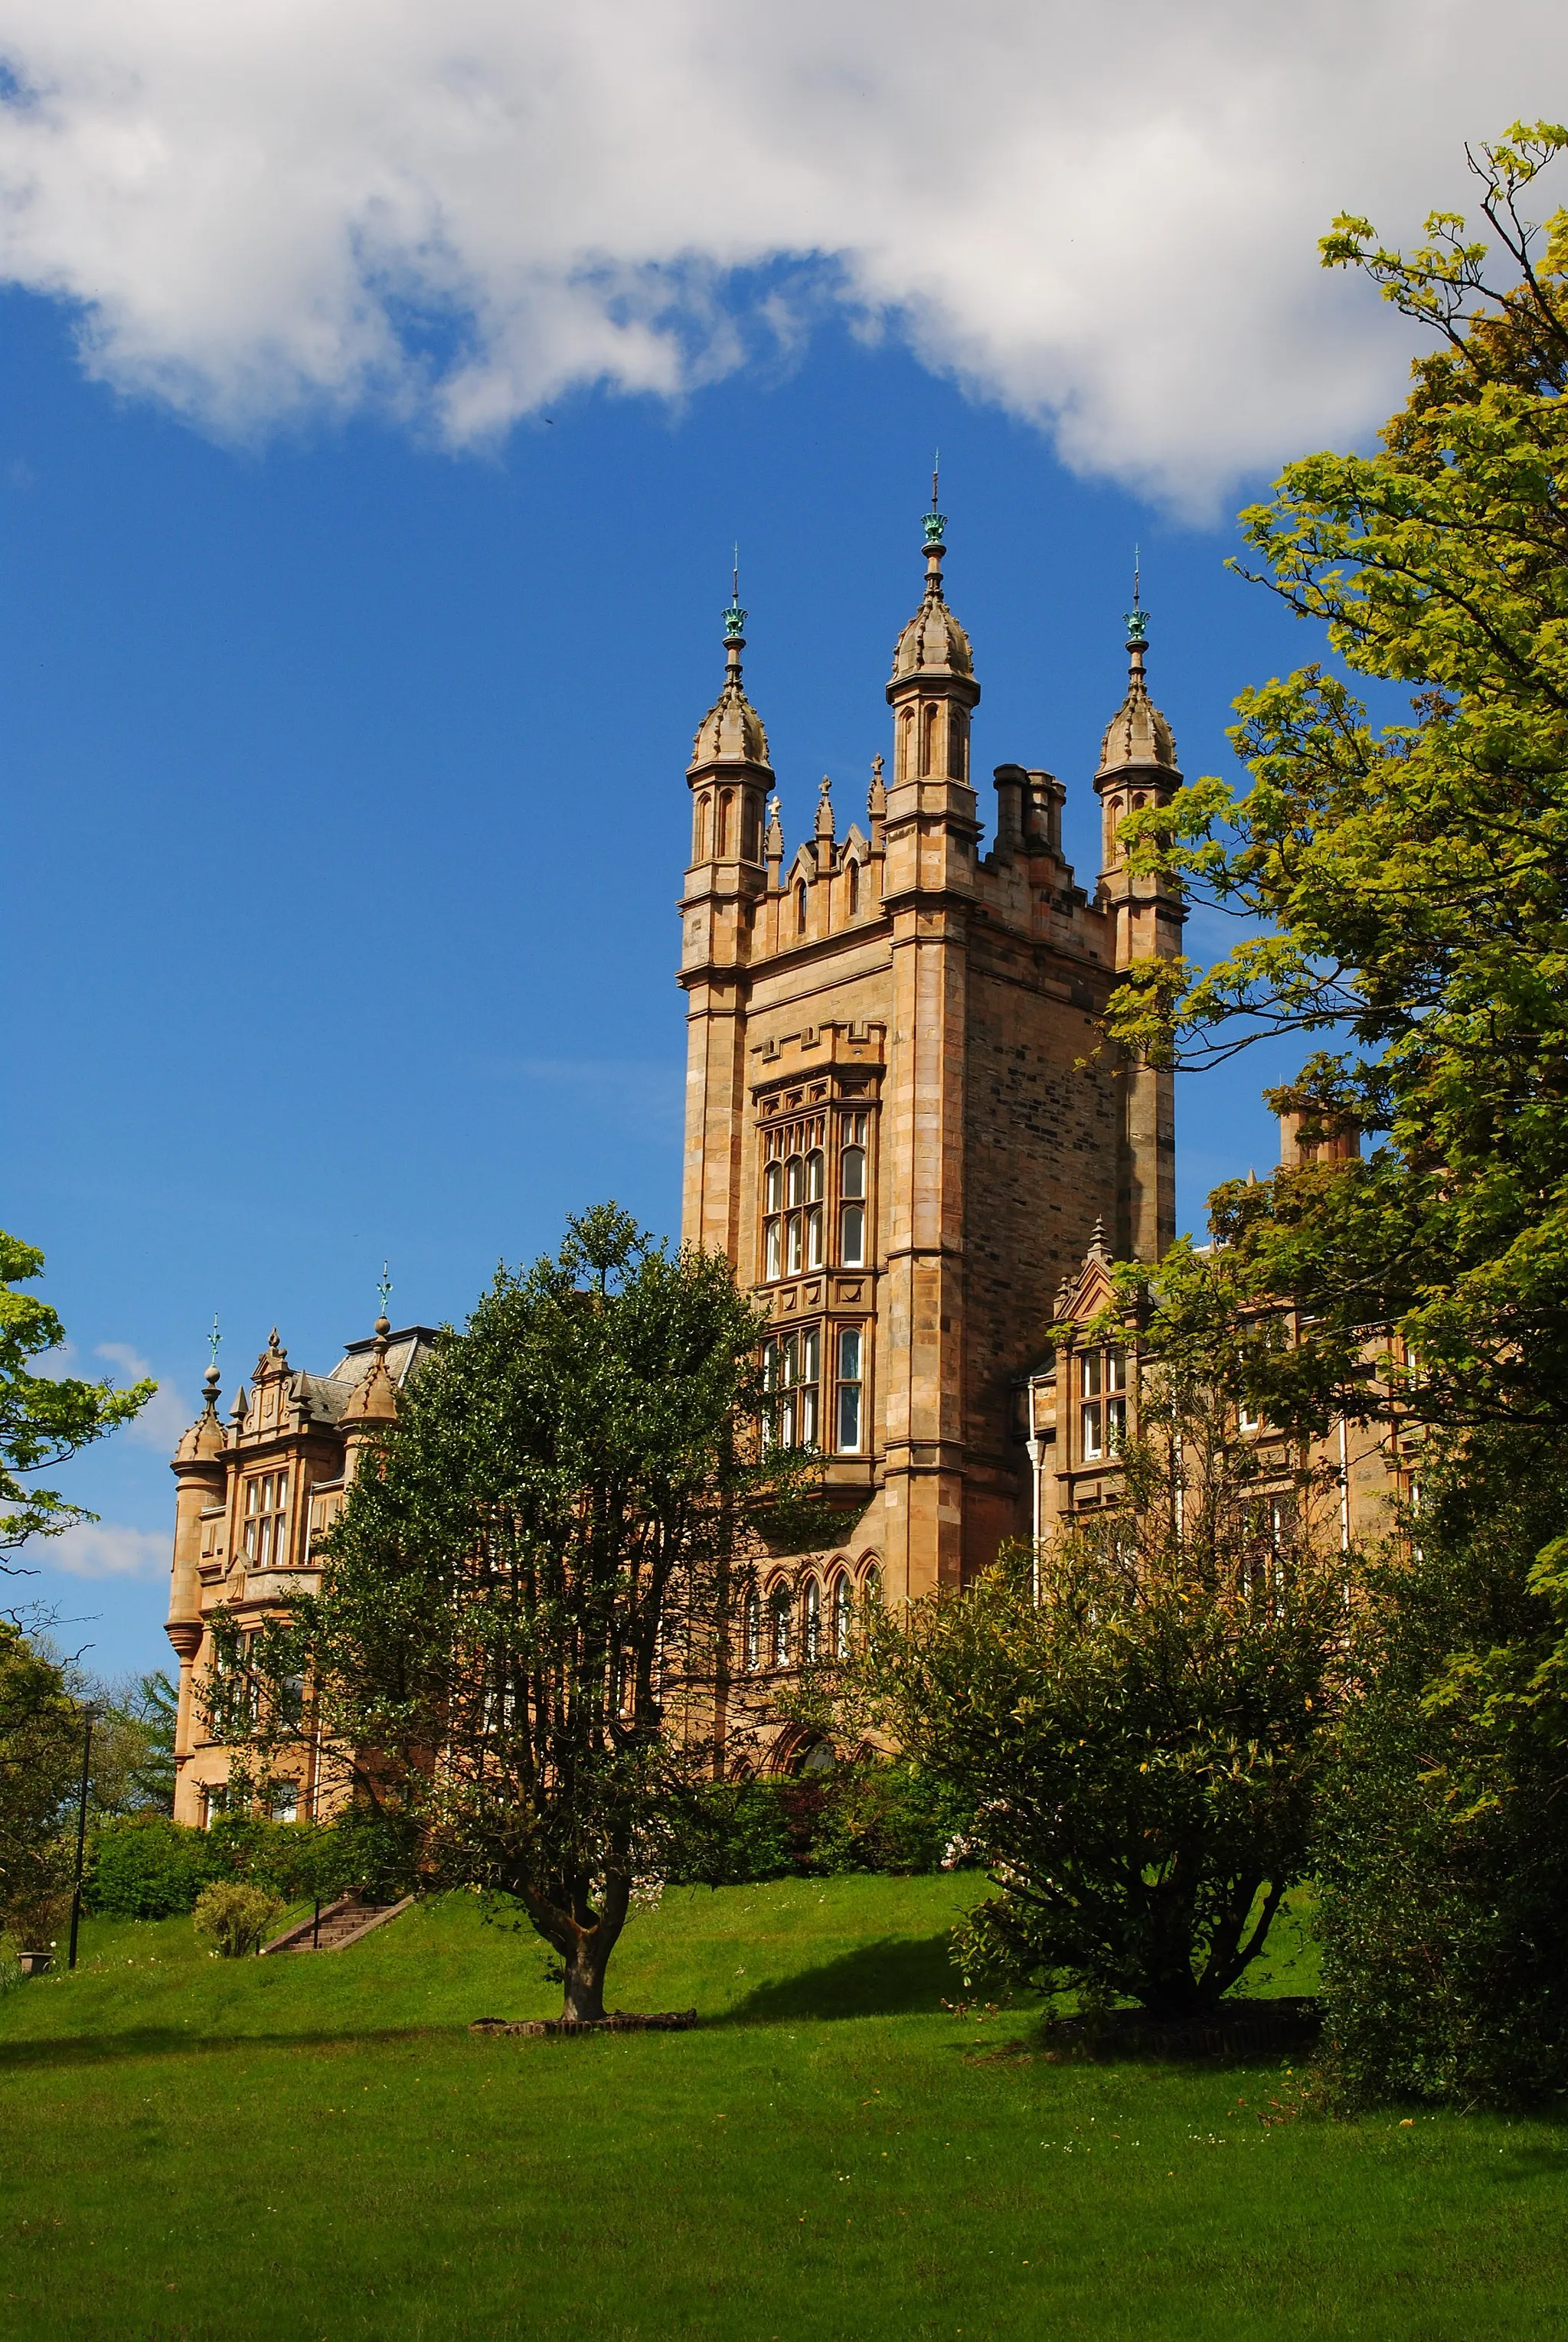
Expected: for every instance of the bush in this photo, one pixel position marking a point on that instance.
(869, 1816)
(1443, 1860)
(233, 1917)
(149, 1867)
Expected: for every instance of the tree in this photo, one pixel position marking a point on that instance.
(43, 1419)
(523, 1630)
(1138, 1714)
(133, 1747)
(1443, 1860)
(1411, 881)
(40, 1749)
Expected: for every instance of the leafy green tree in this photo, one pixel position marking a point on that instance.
(43, 1420)
(523, 1622)
(1410, 880)
(1444, 1859)
(1137, 1715)
(134, 1747)
(40, 1749)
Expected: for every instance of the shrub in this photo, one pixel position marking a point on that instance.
(233, 1917)
(1444, 1861)
(868, 1816)
(149, 1867)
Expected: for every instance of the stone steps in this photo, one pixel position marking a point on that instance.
(340, 1925)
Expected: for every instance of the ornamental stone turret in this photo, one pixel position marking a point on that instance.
(931, 829)
(1138, 770)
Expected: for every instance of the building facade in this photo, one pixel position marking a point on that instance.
(251, 1498)
(902, 1125)
(904, 1129)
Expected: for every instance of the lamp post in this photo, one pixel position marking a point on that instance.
(91, 1712)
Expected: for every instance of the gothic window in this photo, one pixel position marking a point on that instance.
(794, 1176)
(286, 1802)
(792, 1375)
(843, 1614)
(800, 908)
(266, 1519)
(928, 741)
(850, 1380)
(906, 744)
(959, 726)
(726, 807)
(1103, 1408)
(779, 1627)
(751, 828)
(753, 1630)
(852, 889)
(811, 1631)
(700, 849)
(852, 1190)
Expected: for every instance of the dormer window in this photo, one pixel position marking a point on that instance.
(266, 1519)
(1103, 1409)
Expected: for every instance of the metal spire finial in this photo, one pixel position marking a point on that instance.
(1137, 616)
(734, 616)
(385, 1288)
(935, 522)
(214, 1338)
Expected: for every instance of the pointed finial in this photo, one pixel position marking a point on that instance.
(734, 616)
(214, 1338)
(935, 522)
(385, 1288)
(1137, 616)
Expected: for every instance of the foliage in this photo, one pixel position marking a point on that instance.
(535, 1579)
(1137, 1715)
(1411, 881)
(148, 1866)
(43, 1419)
(144, 1866)
(877, 1816)
(1444, 1862)
(40, 1749)
(134, 1748)
(234, 1918)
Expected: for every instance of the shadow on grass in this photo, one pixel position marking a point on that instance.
(901, 1976)
(67, 2050)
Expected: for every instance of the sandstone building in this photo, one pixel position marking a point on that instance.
(899, 1126)
(902, 1128)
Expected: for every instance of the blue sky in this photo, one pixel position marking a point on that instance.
(348, 811)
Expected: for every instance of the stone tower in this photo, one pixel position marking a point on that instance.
(898, 1126)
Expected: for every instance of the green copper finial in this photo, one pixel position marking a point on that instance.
(1137, 616)
(214, 1338)
(935, 522)
(734, 616)
(385, 1288)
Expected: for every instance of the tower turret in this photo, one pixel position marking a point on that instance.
(372, 1409)
(932, 830)
(1138, 769)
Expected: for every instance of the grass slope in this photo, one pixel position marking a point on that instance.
(306, 2148)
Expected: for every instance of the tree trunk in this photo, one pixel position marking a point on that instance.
(585, 1965)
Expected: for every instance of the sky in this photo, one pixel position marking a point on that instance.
(381, 397)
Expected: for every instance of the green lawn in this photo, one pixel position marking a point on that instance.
(302, 2148)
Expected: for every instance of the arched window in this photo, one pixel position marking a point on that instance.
(779, 1627)
(813, 1631)
(800, 908)
(754, 1630)
(928, 740)
(700, 846)
(842, 1613)
(726, 807)
(816, 1164)
(871, 1583)
(854, 888)
(750, 826)
(849, 1410)
(906, 744)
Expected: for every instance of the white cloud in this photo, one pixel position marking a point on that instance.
(101, 1549)
(167, 1416)
(1103, 218)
